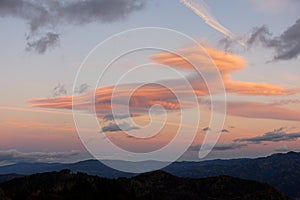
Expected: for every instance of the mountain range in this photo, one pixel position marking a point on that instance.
(280, 170)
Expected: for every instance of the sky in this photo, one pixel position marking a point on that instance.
(249, 55)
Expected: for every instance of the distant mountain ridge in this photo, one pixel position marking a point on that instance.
(153, 185)
(280, 170)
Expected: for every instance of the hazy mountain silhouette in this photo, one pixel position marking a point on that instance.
(280, 170)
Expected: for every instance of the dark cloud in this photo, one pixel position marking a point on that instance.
(41, 45)
(206, 129)
(83, 88)
(220, 131)
(14, 156)
(227, 43)
(228, 146)
(112, 117)
(224, 131)
(113, 127)
(220, 147)
(44, 16)
(261, 34)
(278, 135)
(59, 90)
(286, 46)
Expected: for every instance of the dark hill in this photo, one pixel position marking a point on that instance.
(153, 185)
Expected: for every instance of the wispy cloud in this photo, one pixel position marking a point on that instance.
(15, 156)
(273, 136)
(114, 127)
(111, 117)
(228, 146)
(224, 131)
(46, 17)
(220, 146)
(83, 88)
(277, 135)
(59, 90)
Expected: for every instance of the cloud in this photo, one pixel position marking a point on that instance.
(83, 88)
(203, 11)
(220, 146)
(206, 129)
(15, 156)
(286, 46)
(41, 45)
(45, 17)
(220, 131)
(143, 98)
(224, 131)
(283, 148)
(140, 101)
(226, 63)
(228, 146)
(113, 127)
(262, 110)
(59, 90)
(273, 136)
(112, 117)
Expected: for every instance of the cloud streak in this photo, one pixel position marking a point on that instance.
(202, 10)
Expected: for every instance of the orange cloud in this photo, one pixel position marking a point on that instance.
(248, 88)
(101, 100)
(148, 95)
(226, 63)
(262, 111)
